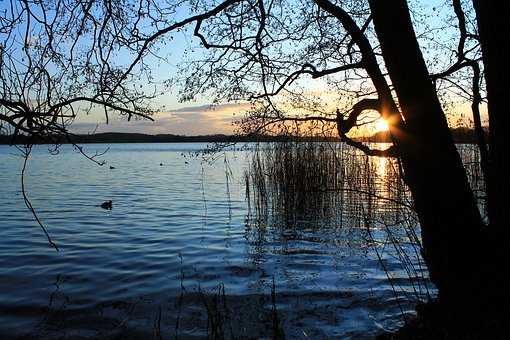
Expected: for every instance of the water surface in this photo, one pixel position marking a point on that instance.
(178, 229)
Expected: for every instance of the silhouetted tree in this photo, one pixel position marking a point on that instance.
(366, 55)
(59, 58)
(266, 52)
(493, 35)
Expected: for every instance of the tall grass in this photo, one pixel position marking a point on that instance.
(318, 184)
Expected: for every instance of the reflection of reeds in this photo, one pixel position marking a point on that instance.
(221, 324)
(217, 314)
(277, 329)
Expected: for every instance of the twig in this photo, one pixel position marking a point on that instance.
(27, 151)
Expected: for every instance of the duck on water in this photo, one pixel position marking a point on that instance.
(107, 205)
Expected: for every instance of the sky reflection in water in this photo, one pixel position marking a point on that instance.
(173, 225)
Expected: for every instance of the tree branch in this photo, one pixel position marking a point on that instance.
(345, 125)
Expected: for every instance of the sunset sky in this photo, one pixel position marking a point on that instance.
(204, 119)
(200, 117)
(188, 120)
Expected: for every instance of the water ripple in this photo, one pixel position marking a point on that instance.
(167, 230)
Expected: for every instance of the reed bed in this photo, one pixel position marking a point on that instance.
(317, 184)
(321, 182)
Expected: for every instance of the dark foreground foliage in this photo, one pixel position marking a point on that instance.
(433, 323)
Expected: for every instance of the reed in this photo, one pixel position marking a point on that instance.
(317, 184)
(222, 321)
(300, 182)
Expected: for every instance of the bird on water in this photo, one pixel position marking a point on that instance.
(107, 205)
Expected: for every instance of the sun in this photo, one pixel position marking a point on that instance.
(381, 125)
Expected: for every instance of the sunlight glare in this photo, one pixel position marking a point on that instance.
(381, 125)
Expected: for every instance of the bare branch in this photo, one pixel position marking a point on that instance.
(345, 125)
(26, 155)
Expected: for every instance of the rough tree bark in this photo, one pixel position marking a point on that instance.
(452, 227)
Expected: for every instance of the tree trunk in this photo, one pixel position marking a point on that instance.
(492, 17)
(451, 225)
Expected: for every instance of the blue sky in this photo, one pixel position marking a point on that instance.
(198, 117)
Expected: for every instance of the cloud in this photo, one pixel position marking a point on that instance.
(191, 120)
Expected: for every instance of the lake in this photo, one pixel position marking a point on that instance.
(178, 248)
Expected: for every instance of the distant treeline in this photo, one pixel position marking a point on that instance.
(121, 137)
(460, 135)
